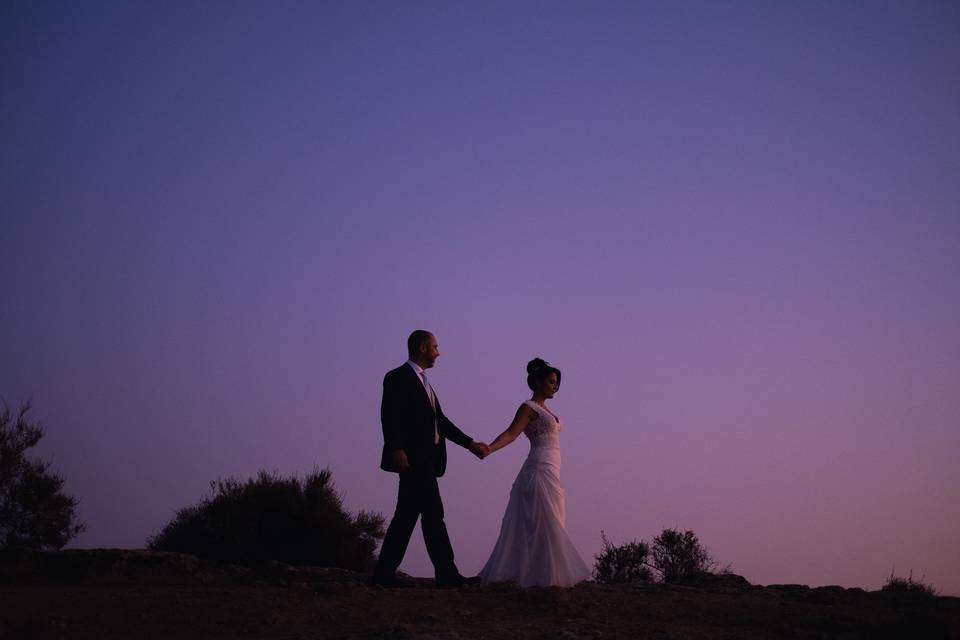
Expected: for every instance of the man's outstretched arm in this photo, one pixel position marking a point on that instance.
(450, 431)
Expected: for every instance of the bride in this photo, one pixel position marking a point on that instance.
(533, 548)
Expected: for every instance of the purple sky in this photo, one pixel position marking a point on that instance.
(736, 229)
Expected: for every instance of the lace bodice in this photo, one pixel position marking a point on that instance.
(544, 429)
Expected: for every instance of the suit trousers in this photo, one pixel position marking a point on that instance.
(418, 497)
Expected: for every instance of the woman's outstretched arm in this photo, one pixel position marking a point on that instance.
(520, 421)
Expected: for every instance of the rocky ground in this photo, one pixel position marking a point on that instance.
(111, 593)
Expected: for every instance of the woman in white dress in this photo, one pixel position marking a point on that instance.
(533, 548)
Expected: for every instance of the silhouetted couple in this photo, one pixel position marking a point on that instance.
(533, 547)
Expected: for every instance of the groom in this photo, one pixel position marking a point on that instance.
(414, 445)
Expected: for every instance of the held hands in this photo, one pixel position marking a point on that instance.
(479, 449)
(401, 464)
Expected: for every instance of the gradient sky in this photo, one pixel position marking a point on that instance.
(734, 226)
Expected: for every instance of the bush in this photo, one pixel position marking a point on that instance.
(908, 586)
(680, 555)
(34, 511)
(624, 563)
(274, 518)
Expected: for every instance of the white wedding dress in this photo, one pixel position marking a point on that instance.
(533, 548)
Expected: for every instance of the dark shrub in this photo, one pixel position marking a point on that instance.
(623, 563)
(679, 555)
(274, 518)
(908, 586)
(34, 511)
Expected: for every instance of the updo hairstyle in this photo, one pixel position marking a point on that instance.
(537, 371)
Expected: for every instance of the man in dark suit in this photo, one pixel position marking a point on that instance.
(415, 432)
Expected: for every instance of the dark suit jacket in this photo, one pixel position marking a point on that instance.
(407, 419)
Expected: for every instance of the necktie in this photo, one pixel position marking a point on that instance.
(433, 403)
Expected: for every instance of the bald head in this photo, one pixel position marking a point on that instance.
(422, 348)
